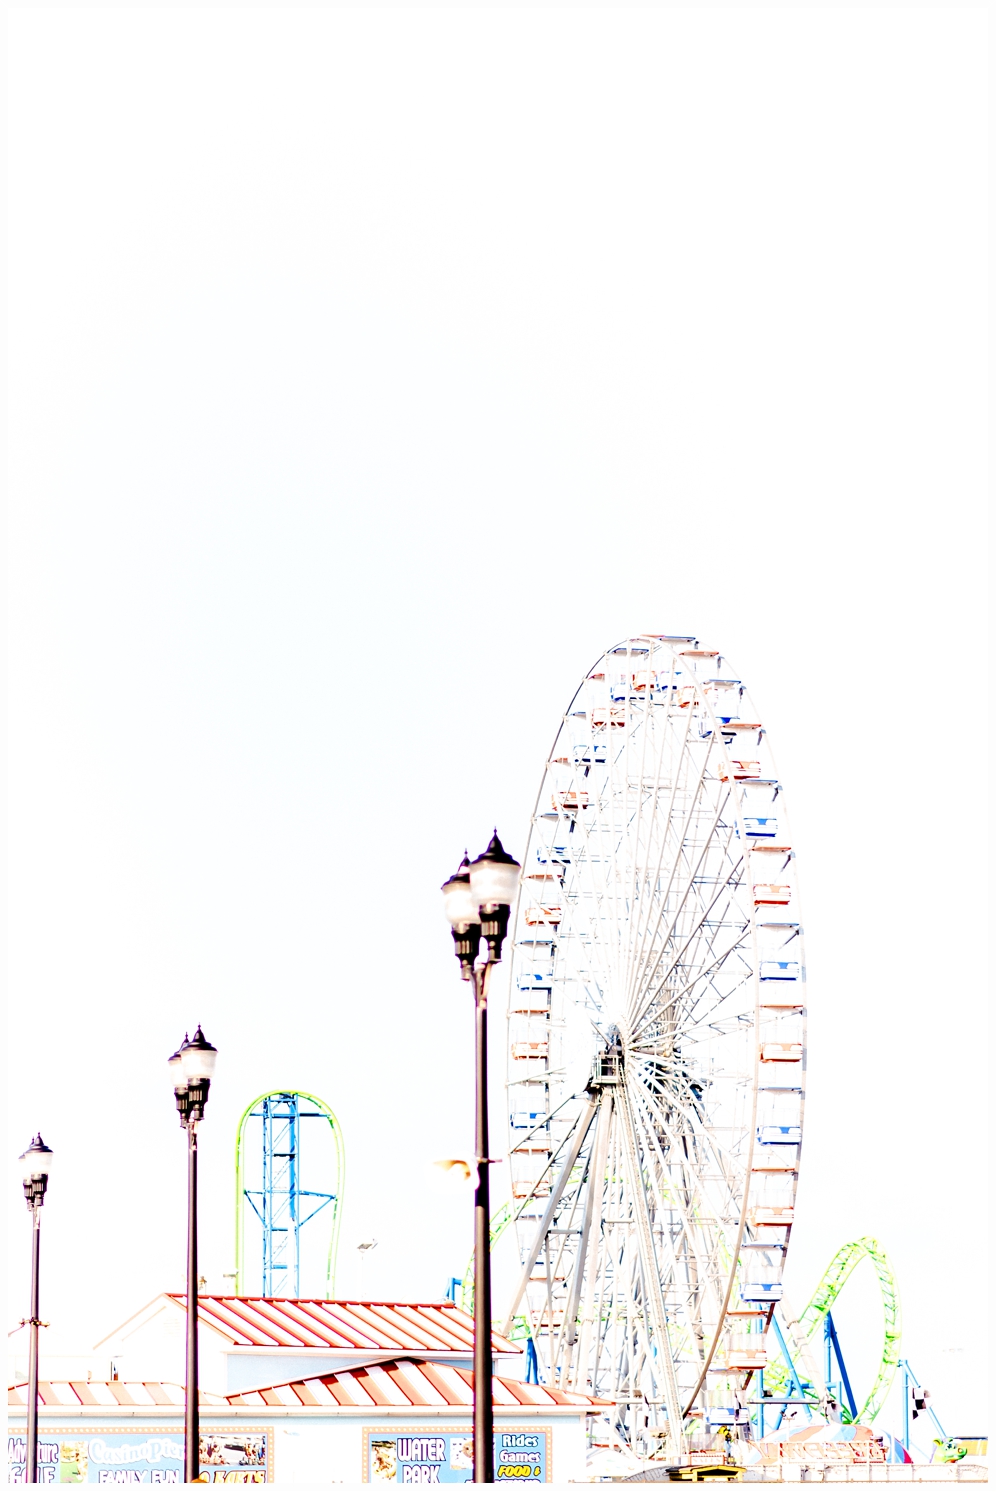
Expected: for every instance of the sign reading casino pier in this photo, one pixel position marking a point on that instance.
(141, 1456)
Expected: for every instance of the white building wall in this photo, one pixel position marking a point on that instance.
(318, 1452)
(570, 1450)
(156, 1350)
(251, 1369)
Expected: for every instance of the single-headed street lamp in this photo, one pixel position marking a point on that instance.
(478, 901)
(191, 1069)
(37, 1168)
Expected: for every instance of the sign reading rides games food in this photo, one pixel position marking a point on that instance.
(134, 1455)
(414, 1455)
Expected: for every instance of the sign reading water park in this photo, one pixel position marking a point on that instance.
(117, 1455)
(413, 1455)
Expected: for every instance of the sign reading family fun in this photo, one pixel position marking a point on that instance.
(134, 1456)
(413, 1456)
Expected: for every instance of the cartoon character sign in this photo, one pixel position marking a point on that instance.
(72, 1463)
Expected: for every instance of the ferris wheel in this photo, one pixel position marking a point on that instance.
(656, 1043)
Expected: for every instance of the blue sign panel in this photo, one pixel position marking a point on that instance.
(140, 1456)
(413, 1455)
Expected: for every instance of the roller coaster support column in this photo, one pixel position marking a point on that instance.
(915, 1397)
(906, 1405)
(832, 1344)
(478, 902)
(795, 1383)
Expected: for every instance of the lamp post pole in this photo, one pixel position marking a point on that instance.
(484, 1416)
(191, 1069)
(37, 1166)
(191, 1412)
(33, 1326)
(478, 901)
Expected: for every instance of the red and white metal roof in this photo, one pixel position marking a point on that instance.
(395, 1384)
(406, 1382)
(76, 1395)
(303, 1323)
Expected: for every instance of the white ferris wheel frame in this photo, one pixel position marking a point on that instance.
(605, 1201)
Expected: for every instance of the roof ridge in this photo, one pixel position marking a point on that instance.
(319, 1301)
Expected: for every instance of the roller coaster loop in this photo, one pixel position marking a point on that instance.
(813, 1319)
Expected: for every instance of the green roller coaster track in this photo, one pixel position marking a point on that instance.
(847, 1259)
(240, 1201)
(832, 1283)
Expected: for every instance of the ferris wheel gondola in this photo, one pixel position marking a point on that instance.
(656, 1043)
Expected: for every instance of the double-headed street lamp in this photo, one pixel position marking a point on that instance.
(478, 901)
(191, 1069)
(37, 1167)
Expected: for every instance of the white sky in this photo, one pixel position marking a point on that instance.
(372, 371)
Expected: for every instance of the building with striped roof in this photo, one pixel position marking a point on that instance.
(398, 1420)
(249, 1342)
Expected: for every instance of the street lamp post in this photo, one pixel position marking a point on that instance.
(478, 901)
(191, 1070)
(37, 1166)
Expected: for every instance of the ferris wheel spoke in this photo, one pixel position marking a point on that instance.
(674, 999)
(640, 802)
(660, 903)
(666, 739)
(595, 856)
(663, 908)
(709, 1149)
(700, 953)
(696, 899)
(720, 1214)
(701, 1026)
(717, 959)
(665, 824)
